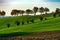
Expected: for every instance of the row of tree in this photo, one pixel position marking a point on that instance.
(29, 11)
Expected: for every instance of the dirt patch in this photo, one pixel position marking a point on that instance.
(50, 35)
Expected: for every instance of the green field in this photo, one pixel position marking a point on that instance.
(38, 26)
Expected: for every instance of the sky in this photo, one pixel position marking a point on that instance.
(8, 5)
(28, 1)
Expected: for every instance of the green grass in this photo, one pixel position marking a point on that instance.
(39, 26)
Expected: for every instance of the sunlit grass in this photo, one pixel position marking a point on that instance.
(38, 26)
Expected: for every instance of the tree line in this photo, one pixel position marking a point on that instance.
(29, 11)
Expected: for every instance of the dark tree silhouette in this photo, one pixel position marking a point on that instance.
(57, 10)
(31, 11)
(18, 12)
(46, 10)
(28, 11)
(35, 9)
(14, 12)
(3, 13)
(41, 10)
(22, 12)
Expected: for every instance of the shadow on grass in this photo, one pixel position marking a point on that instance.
(15, 34)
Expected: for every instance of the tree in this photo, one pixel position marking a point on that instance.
(46, 10)
(14, 12)
(31, 12)
(54, 14)
(3, 13)
(41, 10)
(57, 10)
(18, 12)
(35, 9)
(28, 11)
(22, 12)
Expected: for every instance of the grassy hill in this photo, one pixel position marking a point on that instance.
(38, 26)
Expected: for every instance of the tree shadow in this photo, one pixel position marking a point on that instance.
(15, 34)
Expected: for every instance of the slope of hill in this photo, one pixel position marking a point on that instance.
(50, 24)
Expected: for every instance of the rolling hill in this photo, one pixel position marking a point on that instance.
(50, 24)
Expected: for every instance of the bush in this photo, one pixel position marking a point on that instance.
(32, 20)
(8, 25)
(27, 21)
(22, 23)
(45, 18)
(41, 18)
(17, 23)
(54, 15)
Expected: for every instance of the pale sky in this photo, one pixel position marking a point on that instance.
(8, 5)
